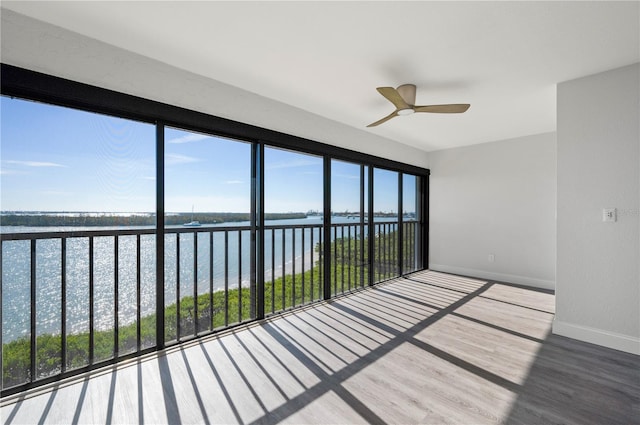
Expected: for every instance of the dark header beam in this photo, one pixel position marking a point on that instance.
(23, 83)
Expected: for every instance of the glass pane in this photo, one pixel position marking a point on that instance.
(73, 171)
(147, 291)
(127, 294)
(411, 225)
(205, 282)
(48, 308)
(77, 272)
(16, 322)
(207, 190)
(385, 207)
(348, 224)
(89, 169)
(293, 240)
(170, 286)
(103, 297)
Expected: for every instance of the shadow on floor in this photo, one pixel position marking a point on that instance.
(431, 348)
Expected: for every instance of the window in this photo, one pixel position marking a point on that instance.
(411, 226)
(120, 235)
(385, 228)
(349, 201)
(65, 170)
(293, 187)
(207, 187)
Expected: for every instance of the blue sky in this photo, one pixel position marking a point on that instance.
(59, 159)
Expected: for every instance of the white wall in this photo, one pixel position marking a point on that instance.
(35, 45)
(496, 198)
(598, 271)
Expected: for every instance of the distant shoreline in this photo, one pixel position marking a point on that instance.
(90, 219)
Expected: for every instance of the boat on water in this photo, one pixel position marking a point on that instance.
(192, 223)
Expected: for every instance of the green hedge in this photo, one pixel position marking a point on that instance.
(16, 354)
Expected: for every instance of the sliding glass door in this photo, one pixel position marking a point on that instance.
(411, 224)
(207, 249)
(349, 230)
(385, 227)
(293, 219)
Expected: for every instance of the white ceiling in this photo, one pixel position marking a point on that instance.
(328, 57)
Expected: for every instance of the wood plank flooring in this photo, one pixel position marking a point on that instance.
(429, 348)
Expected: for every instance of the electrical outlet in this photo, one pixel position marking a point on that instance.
(492, 258)
(609, 215)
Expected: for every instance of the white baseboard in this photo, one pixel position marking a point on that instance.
(607, 339)
(502, 277)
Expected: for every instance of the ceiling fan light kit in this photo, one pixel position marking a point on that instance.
(404, 99)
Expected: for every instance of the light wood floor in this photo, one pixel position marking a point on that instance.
(430, 348)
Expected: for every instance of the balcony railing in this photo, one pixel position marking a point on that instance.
(74, 301)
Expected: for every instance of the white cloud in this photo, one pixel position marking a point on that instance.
(176, 159)
(233, 182)
(10, 172)
(35, 163)
(189, 138)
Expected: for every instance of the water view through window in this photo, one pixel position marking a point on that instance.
(82, 254)
(349, 225)
(207, 183)
(70, 171)
(293, 267)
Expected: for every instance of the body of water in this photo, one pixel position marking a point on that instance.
(228, 267)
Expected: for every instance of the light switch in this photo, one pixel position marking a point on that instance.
(609, 215)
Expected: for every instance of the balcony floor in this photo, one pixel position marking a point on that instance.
(429, 348)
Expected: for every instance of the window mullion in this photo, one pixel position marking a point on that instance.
(160, 236)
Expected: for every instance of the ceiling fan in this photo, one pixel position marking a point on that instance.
(404, 99)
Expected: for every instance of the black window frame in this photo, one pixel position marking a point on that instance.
(26, 84)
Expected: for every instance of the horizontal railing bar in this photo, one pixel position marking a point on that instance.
(392, 222)
(293, 226)
(16, 236)
(152, 231)
(205, 229)
(74, 234)
(111, 232)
